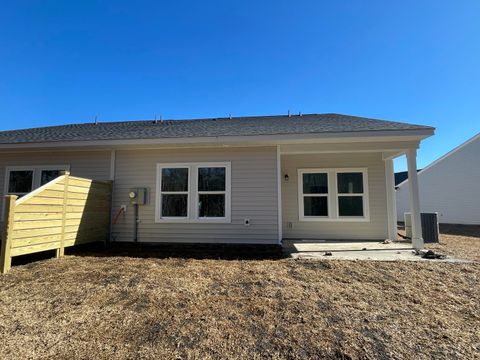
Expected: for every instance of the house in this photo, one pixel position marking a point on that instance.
(448, 186)
(401, 176)
(230, 180)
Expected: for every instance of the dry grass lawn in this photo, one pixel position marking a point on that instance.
(116, 307)
(459, 241)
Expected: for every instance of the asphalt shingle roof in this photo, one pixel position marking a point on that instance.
(238, 126)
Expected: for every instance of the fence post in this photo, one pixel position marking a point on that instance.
(61, 251)
(5, 258)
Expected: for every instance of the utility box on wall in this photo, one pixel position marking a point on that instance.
(138, 196)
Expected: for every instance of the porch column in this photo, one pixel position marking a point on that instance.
(417, 240)
(391, 200)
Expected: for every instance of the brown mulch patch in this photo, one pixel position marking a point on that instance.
(129, 307)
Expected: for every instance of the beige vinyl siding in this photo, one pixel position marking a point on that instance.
(88, 164)
(375, 228)
(253, 195)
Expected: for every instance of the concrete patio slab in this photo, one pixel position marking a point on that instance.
(354, 250)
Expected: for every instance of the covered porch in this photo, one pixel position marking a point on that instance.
(344, 191)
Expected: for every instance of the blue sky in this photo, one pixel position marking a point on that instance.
(414, 61)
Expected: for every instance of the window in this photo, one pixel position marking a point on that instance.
(315, 194)
(193, 192)
(350, 194)
(174, 192)
(20, 180)
(211, 192)
(332, 195)
(48, 175)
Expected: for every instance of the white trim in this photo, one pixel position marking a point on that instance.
(391, 199)
(417, 240)
(193, 193)
(361, 136)
(333, 195)
(36, 178)
(340, 151)
(301, 195)
(159, 192)
(279, 195)
(441, 158)
(365, 196)
(8, 169)
(227, 192)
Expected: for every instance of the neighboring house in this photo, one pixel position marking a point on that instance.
(401, 176)
(449, 186)
(231, 180)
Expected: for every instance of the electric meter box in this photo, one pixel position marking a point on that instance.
(138, 196)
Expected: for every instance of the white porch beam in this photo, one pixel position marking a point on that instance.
(392, 154)
(391, 200)
(389, 149)
(417, 239)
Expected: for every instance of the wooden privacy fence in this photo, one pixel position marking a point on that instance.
(66, 211)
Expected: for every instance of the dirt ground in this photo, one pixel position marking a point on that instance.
(456, 241)
(459, 241)
(112, 306)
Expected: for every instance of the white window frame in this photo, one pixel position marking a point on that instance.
(37, 173)
(193, 194)
(226, 192)
(160, 192)
(36, 178)
(333, 195)
(301, 195)
(364, 195)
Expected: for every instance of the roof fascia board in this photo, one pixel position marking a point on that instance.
(246, 140)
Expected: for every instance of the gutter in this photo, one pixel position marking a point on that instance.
(363, 136)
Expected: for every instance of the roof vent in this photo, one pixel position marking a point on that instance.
(156, 120)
